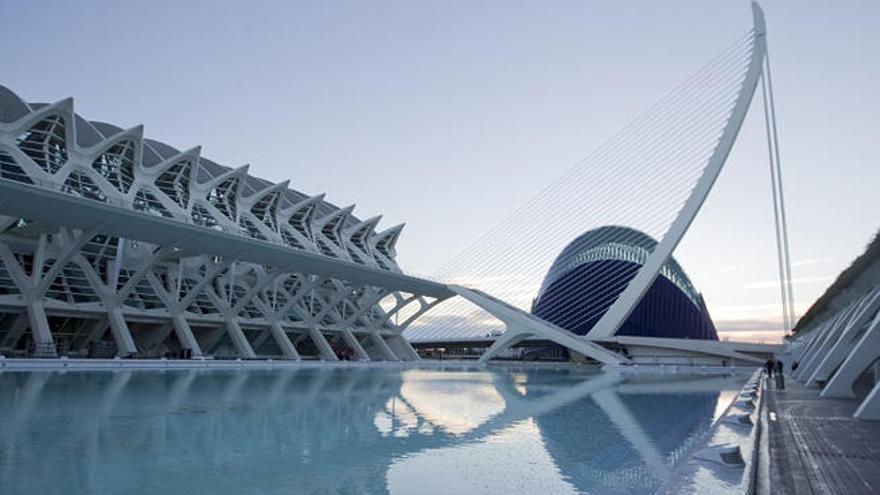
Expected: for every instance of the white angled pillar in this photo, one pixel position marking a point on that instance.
(847, 340)
(870, 407)
(352, 342)
(865, 352)
(379, 341)
(16, 330)
(42, 335)
(124, 342)
(323, 346)
(185, 334)
(283, 341)
(239, 339)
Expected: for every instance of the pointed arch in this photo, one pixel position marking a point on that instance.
(623, 306)
(264, 205)
(328, 233)
(358, 240)
(384, 244)
(115, 158)
(223, 192)
(49, 135)
(297, 222)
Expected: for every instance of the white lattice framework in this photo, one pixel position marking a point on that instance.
(71, 291)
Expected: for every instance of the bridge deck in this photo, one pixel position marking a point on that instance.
(816, 446)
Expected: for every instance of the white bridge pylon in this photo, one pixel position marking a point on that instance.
(520, 325)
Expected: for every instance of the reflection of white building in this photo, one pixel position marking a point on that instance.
(94, 291)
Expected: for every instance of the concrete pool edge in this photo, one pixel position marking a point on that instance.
(90, 364)
(704, 471)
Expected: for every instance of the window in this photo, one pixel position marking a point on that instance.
(45, 144)
(10, 170)
(117, 165)
(174, 182)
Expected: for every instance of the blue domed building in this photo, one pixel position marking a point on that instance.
(592, 271)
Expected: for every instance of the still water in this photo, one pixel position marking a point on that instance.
(358, 431)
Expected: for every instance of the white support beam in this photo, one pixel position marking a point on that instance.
(865, 352)
(847, 340)
(288, 350)
(352, 342)
(521, 325)
(826, 340)
(324, 348)
(96, 331)
(870, 407)
(121, 334)
(185, 334)
(40, 331)
(384, 348)
(239, 339)
(16, 330)
(402, 348)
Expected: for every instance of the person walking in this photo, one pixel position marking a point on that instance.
(769, 366)
(780, 378)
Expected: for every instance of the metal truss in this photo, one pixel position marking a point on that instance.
(68, 290)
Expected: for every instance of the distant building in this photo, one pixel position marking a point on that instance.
(592, 271)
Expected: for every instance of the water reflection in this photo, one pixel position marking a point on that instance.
(348, 431)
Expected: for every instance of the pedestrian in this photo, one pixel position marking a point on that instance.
(769, 367)
(780, 366)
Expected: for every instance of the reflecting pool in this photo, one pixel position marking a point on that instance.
(358, 430)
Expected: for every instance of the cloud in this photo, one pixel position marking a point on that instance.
(810, 261)
(759, 336)
(774, 284)
(749, 325)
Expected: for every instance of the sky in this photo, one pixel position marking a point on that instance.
(448, 115)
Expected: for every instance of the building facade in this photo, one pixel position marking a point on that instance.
(591, 272)
(93, 292)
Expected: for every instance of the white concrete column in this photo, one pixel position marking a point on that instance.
(185, 335)
(96, 331)
(124, 342)
(40, 331)
(283, 341)
(870, 407)
(823, 344)
(865, 352)
(16, 330)
(352, 342)
(847, 340)
(383, 346)
(238, 338)
(323, 346)
(261, 338)
(402, 348)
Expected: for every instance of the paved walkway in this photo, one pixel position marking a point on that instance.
(816, 446)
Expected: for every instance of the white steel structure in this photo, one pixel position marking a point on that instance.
(113, 244)
(116, 245)
(837, 344)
